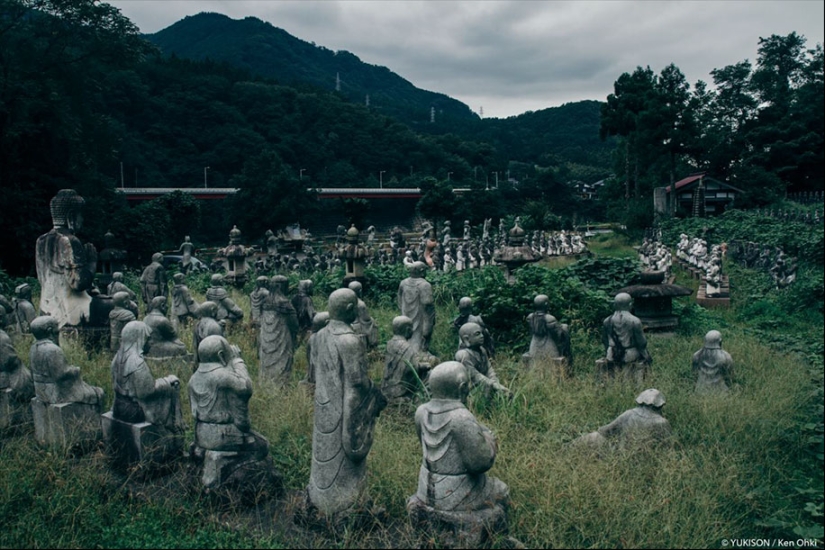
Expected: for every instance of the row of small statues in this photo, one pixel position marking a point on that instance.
(695, 253)
(801, 216)
(781, 268)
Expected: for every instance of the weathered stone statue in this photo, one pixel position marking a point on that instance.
(319, 321)
(473, 355)
(550, 345)
(163, 342)
(65, 266)
(279, 332)
(713, 366)
(207, 325)
(256, 300)
(16, 386)
(465, 315)
(415, 299)
(145, 422)
(117, 285)
(625, 343)
(186, 249)
(153, 279)
(227, 309)
(364, 324)
(346, 407)
(118, 317)
(24, 312)
(66, 409)
(455, 496)
(304, 309)
(184, 307)
(643, 425)
(404, 364)
(234, 456)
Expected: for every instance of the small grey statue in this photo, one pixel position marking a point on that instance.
(713, 366)
(643, 424)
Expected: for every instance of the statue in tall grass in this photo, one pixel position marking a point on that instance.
(625, 343)
(713, 366)
(278, 334)
(550, 344)
(415, 299)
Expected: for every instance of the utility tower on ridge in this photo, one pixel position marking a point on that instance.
(432, 115)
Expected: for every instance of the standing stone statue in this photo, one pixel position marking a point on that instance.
(186, 249)
(256, 300)
(65, 266)
(404, 364)
(24, 312)
(415, 299)
(346, 407)
(16, 386)
(625, 343)
(153, 279)
(455, 495)
(118, 317)
(713, 366)
(184, 307)
(163, 342)
(643, 424)
(364, 324)
(207, 325)
(550, 344)
(319, 321)
(227, 309)
(278, 335)
(304, 309)
(473, 356)
(117, 285)
(465, 315)
(234, 456)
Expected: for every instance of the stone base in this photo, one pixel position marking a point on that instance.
(631, 372)
(66, 425)
(664, 323)
(362, 516)
(461, 529)
(142, 444)
(557, 367)
(722, 300)
(186, 358)
(240, 476)
(13, 414)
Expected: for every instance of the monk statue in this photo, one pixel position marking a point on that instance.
(404, 366)
(304, 309)
(473, 356)
(278, 335)
(550, 344)
(153, 279)
(207, 325)
(65, 266)
(16, 385)
(117, 285)
(643, 424)
(227, 309)
(319, 321)
(118, 317)
(625, 343)
(415, 299)
(364, 324)
(256, 300)
(465, 315)
(713, 366)
(184, 307)
(24, 312)
(163, 342)
(455, 495)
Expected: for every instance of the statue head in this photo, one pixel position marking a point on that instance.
(23, 292)
(157, 257)
(343, 305)
(465, 305)
(306, 286)
(402, 326)
(186, 239)
(449, 380)
(44, 327)
(117, 276)
(208, 309)
(541, 302)
(216, 279)
(215, 349)
(262, 281)
(159, 304)
(417, 269)
(652, 398)
(134, 338)
(622, 301)
(320, 320)
(356, 287)
(713, 340)
(178, 278)
(120, 299)
(279, 283)
(66, 208)
(471, 335)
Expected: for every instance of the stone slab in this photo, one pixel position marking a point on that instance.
(12, 414)
(458, 529)
(141, 443)
(65, 425)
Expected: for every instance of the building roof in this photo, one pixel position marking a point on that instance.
(696, 177)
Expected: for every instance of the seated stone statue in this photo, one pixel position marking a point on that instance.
(455, 495)
(364, 324)
(16, 386)
(256, 300)
(24, 312)
(207, 325)
(118, 317)
(117, 285)
(184, 307)
(219, 393)
(465, 315)
(163, 342)
(473, 356)
(227, 309)
(304, 309)
(625, 343)
(550, 343)
(404, 365)
(713, 366)
(642, 425)
(153, 279)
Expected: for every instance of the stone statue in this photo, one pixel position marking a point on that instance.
(319, 321)
(153, 279)
(16, 385)
(465, 315)
(138, 396)
(184, 307)
(256, 300)
(163, 342)
(186, 249)
(624, 341)
(65, 266)
(404, 365)
(415, 299)
(364, 324)
(455, 495)
(117, 285)
(643, 424)
(346, 407)
(550, 344)
(55, 381)
(219, 393)
(118, 317)
(227, 309)
(304, 309)
(24, 312)
(278, 335)
(713, 366)
(207, 325)
(473, 355)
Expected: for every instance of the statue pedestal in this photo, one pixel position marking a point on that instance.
(629, 372)
(458, 529)
(66, 425)
(12, 414)
(720, 296)
(556, 367)
(142, 444)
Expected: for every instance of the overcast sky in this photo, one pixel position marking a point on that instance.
(513, 56)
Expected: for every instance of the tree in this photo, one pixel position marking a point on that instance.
(437, 202)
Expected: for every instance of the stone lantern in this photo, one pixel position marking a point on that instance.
(353, 256)
(234, 258)
(515, 253)
(653, 301)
